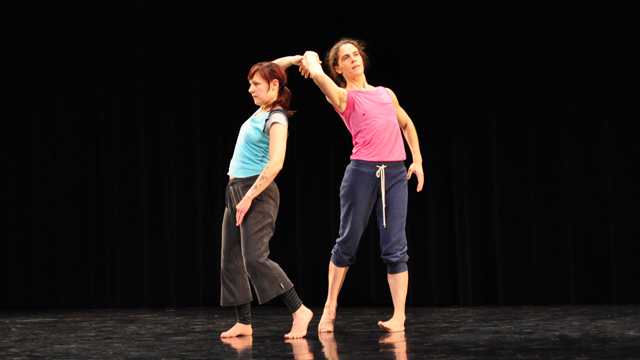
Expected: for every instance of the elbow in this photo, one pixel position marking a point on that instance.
(275, 167)
(407, 125)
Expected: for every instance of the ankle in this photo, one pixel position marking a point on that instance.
(301, 311)
(401, 317)
(330, 306)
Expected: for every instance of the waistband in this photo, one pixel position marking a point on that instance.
(242, 180)
(391, 165)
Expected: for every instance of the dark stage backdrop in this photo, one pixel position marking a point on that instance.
(119, 120)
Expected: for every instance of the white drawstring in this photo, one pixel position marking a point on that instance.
(380, 174)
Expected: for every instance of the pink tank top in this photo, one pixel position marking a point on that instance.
(372, 120)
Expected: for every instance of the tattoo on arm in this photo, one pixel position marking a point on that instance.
(255, 186)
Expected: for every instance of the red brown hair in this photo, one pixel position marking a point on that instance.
(270, 71)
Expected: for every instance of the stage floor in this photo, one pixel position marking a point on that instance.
(518, 332)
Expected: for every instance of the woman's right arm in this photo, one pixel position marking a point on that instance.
(336, 95)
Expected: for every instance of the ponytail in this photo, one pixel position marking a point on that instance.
(270, 71)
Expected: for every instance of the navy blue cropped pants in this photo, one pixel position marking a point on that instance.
(360, 192)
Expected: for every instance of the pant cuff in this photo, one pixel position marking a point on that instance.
(397, 268)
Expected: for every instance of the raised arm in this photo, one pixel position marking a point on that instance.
(277, 151)
(285, 62)
(311, 67)
(411, 135)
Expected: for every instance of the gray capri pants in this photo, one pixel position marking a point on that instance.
(359, 193)
(245, 248)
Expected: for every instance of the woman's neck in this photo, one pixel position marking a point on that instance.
(359, 83)
(267, 108)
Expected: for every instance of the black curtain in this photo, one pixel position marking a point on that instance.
(119, 121)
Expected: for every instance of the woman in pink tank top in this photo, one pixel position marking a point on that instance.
(376, 122)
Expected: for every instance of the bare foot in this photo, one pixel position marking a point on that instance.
(238, 330)
(327, 320)
(393, 325)
(240, 343)
(301, 319)
(300, 349)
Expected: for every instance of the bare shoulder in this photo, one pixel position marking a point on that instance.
(394, 98)
(340, 101)
(343, 94)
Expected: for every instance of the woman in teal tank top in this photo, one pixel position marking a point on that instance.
(251, 205)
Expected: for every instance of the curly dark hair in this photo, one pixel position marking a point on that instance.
(332, 58)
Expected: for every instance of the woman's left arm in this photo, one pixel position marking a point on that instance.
(285, 62)
(411, 135)
(277, 151)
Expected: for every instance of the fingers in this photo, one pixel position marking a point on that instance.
(239, 217)
(241, 209)
(419, 175)
(304, 71)
(304, 63)
(420, 182)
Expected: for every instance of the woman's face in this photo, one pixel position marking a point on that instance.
(349, 61)
(263, 93)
